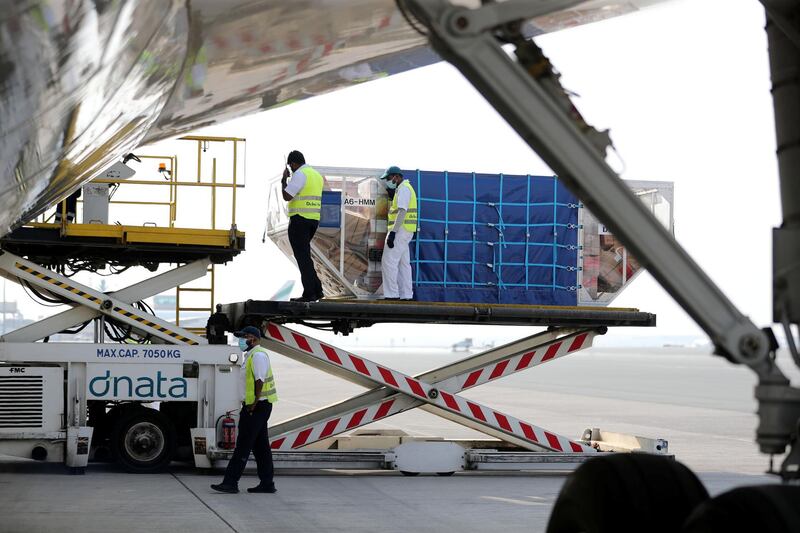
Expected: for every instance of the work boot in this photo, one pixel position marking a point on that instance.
(261, 488)
(227, 489)
(304, 299)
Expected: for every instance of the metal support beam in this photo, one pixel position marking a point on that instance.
(779, 403)
(344, 316)
(779, 13)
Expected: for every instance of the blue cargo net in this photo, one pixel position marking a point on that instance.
(494, 238)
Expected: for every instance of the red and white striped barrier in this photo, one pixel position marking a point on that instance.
(419, 392)
(524, 361)
(340, 423)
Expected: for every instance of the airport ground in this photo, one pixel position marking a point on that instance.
(701, 404)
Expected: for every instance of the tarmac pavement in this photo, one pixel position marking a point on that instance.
(42, 498)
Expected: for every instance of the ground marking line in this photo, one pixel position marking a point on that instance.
(514, 501)
(179, 480)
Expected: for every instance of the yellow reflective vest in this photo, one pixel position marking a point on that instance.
(268, 389)
(410, 222)
(308, 202)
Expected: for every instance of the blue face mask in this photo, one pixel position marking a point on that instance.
(391, 185)
(243, 345)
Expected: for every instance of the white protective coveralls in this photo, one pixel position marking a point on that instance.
(396, 262)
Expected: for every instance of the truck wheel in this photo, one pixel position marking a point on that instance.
(627, 492)
(766, 509)
(143, 441)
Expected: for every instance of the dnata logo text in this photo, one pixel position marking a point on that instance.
(138, 387)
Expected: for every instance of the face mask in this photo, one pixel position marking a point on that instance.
(243, 345)
(391, 185)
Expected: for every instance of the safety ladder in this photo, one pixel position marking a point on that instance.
(193, 307)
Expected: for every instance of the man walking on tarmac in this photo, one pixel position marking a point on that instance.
(304, 194)
(396, 261)
(259, 395)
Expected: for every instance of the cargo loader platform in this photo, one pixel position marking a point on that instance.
(155, 228)
(344, 316)
(120, 245)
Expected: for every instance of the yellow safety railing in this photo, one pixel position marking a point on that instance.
(169, 166)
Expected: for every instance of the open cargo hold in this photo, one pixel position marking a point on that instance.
(482, 238)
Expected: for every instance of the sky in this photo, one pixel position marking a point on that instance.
(683, 87)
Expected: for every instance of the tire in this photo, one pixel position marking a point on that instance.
(766, 509)
(445, 474)
(143, 441)
(409, 474)
(627, 493)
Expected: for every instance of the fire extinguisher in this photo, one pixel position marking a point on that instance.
(228, 432)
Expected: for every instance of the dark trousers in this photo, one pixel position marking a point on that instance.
(72, 202)
(301, 231)
(71, 207)
(253, 437)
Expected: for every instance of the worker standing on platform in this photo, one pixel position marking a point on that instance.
(72, 207)
(396, 261)
(304, 194)
(259, 395)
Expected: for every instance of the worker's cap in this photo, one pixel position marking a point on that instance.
(248, 330)
(392, 170)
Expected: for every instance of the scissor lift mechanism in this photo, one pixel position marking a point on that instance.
(90, 303)
(437, 391)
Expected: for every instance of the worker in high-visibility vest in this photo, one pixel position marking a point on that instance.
(402, 224)
(304, 194)
(258, 390)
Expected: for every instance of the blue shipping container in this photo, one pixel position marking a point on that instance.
(494, 238)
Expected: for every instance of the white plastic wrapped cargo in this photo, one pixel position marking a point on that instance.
(605, 266)
(348, 245)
